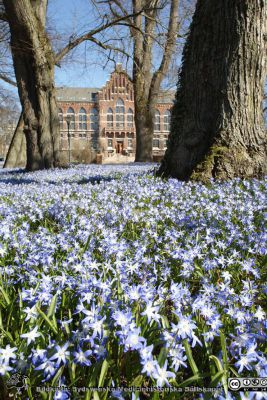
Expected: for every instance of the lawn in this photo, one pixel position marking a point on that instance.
(111, 278)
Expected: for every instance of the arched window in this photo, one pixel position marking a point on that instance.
(130, 118)
(82, 119)
(167, 120)
(94, 119)
(60, 117)
(157, 121)
(120, 113)
(71, 113)
(110, 118)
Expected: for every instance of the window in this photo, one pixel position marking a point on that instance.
(165, 144)
(94, 96)
(120, 113)
(110, 118)
(94, 119)
(60, 117)
(130, 143)
(167, 120)
(157, 121)
(71, 113)
(130, 118)
(82, 119)
(156, 143)
(110, 144)
(94, 140)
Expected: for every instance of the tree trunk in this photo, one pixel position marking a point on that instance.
(147, 84)
(34, 69)
(144, 134)
(217, 122)
(16, 155)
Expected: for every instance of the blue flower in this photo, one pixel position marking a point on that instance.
(133, 340)
(62, 395)
(48, 367)
(150, 368)
(31, 336)
(151, 312)
(122, 318)
(8, 353)
(61, 354)
(245, 361)
(4, 366)
(162, 375)
(80, 357)
(184, 328)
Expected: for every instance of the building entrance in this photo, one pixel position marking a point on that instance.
(119, 147)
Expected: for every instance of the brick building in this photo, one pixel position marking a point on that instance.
(102, 119)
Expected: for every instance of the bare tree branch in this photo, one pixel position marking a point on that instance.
(7, 80)
(169, 47)
(90, 36)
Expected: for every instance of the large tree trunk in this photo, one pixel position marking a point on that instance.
(142, 63)
(217, 122)
(147, 84)
(144, 117)
(16, 155)
(34, 68)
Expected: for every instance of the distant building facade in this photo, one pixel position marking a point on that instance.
(102, 119)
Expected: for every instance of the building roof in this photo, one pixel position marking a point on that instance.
(76, 94)
(88, 95)
(166, 96)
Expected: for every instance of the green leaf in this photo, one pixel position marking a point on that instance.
(221, 369)
(190, 357)
(165, 322)
(216, 379)
(162, 356)
(96, 395)
(191, 380)
(93, 377)
(52, 308)
(47, 320)
(5, 295)
(156, 396)
(214, 382)
(7, 334)
(104, 370)
(224, 351)
(234, 372)
(55, 381)
(137, 381)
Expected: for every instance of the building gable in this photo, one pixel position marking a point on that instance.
(118, 85)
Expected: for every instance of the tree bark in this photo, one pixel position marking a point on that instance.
(147, 84)
(16, 155)
(34, 69)
(217, 125)
(144, 125)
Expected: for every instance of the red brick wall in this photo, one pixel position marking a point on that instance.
(118, 86)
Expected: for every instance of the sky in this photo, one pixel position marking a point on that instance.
(84, 67)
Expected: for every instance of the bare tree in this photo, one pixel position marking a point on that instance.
(217, 121)
(34, 61)
(146, 35)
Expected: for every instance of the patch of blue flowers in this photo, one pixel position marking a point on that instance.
(112, 277)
